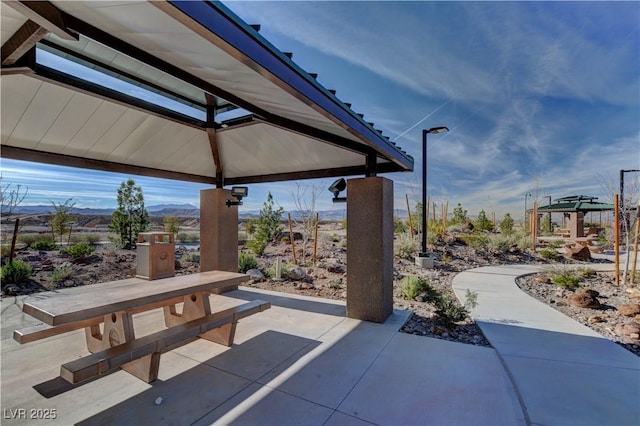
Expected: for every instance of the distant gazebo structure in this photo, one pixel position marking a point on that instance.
(574, 207)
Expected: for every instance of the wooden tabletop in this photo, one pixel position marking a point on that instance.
(97, 300)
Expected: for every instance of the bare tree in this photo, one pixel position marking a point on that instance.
(627, 216)
(11, 197)
(305, 199)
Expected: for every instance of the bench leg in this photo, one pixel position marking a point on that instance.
(194, 306)
(223, 335)
(197, 306)
(118, 329)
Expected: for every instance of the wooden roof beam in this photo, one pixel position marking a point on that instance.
(44, 14)
(21, 41)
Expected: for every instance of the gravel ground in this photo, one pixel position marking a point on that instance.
(328, 279)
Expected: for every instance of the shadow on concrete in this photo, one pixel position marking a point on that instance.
(318, 307)
(190, 395)
(569, 378)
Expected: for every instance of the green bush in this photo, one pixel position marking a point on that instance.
(191, 257)
(566, 279)
(44, 244)
(475, 240)
(89, 238)
(549, 253)
(78, 250)
(506, 226)
(413, 286)
(450, 311)
(399, 226)
(259, 243)
(405, 246)
(61, 273)
(501, 242)
(245, 262)
(555, 244)
(16, 272)
(586, 272)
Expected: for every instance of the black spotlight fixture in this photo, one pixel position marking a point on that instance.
(336, 188)
(239, 192)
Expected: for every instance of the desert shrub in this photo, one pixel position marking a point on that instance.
(182, 237)
(501, 242)
(413, 286)
(483, 223)
(549, 253)
(399, 226)
(89, 238)
(190, 257)
(523, 240)
(556, 244)
(475, 240)
(44, 244)
(586, 272)
(506, 226)
(78, 250)
(259, 243)
(61, 273)
(450, 311)
(284, 270)
(245, 262)
(567, 279)
(405, 246)
(16, 272)
(344, 223)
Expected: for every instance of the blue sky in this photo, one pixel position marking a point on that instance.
(540, 97)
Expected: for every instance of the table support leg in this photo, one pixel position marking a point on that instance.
(197, 306)
(118, 329)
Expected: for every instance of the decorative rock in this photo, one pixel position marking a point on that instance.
(577, 252)
(256, 275)
(584, 298)
(542, 279)
(629, 330)
(629, 310)
(11, 290)
(588, 292)
(336, 268)
(298, 274)
(634, 293)
(595, 319)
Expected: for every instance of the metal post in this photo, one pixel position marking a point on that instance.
(424, 193)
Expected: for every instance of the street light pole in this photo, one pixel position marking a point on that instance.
(433, 130)
(524, 219)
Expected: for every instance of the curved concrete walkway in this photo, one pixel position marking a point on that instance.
(563, 372)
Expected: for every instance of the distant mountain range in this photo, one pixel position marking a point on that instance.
(179, 210)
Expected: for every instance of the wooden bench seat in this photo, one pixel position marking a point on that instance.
(141, 356)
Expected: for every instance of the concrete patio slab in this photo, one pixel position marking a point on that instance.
(564, 372)
(434, 382)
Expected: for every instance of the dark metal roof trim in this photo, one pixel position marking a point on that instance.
(230, 28)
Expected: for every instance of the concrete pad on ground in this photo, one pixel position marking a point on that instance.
(418, 380)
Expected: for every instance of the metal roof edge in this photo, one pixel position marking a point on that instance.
(233, 30)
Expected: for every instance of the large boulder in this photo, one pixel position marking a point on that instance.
(256, 275)
(630, 310)
(298, 274)
(584, 298)
(577, 252)
(630, 330)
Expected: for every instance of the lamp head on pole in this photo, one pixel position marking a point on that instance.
(434, 130)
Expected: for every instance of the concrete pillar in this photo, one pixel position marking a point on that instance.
(218, 232)
(370, 248)
(576, 225)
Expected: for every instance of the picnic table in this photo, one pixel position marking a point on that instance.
(106, 312)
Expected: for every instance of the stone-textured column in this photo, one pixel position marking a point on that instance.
(576, 225)
(370, 248)
(218, 232)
